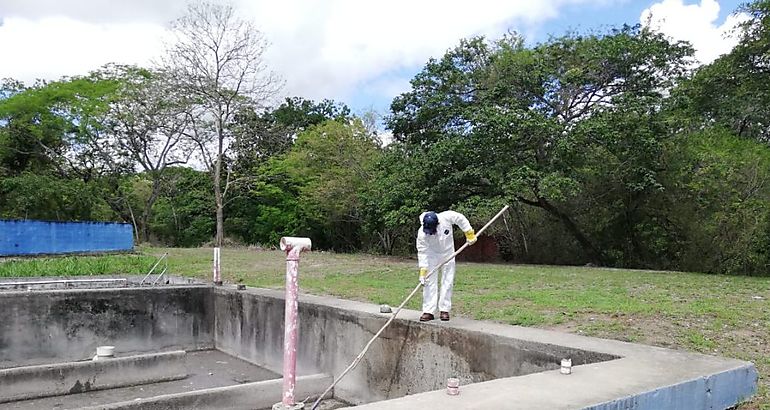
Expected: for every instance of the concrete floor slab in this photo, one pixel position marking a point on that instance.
(32, 382)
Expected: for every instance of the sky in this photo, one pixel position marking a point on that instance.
(360, 52)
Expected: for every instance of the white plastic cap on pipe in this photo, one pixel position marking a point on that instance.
(290, 242)
(104, 352)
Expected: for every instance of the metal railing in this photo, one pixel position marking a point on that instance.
(163, 258)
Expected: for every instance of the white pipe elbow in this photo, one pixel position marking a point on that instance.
(289, 242)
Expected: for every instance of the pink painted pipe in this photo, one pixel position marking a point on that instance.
(293, 248)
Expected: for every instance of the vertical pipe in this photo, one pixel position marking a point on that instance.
(293, 248)
(217, 268)
(290, 327)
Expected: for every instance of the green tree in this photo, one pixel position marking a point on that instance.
(218, 60)
(267, 208)
(263, 204)
(147, 121)
(59, 126)
(183, 213)
(537, 125)
(57, 130)
(718, 188)
(259, 137)
(734, 90)
(48, 197)
(333, 162)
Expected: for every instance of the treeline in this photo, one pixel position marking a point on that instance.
(612, 148)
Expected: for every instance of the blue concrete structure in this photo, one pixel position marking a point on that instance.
(45, 237)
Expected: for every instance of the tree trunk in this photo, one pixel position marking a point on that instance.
(594, 253)
(219, 203)
(145, 222)
(147, 212)
(218, 196)
(133, 221)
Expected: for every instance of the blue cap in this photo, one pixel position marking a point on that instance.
(430, 223)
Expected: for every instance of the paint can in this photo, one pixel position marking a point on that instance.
(566, 366)
(453, 386)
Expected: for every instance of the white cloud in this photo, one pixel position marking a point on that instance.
(696, 23)
(323, 49)
(95, 11)
(52, 47)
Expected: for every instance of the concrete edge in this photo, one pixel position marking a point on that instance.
(132, 288)
(717, 391)
(256, 395)
(32, 382)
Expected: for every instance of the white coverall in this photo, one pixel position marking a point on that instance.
(434, 249)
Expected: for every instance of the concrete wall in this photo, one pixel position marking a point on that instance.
(43, 327)
(44, 237)
(410, 357)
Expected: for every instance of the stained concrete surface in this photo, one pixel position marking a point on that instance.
(207, 369)
(500, 366)
(42, 327)
(409, 358)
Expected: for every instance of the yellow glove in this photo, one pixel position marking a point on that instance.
(470, 236)
(423, 272)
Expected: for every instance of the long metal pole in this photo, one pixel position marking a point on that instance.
(401, 306)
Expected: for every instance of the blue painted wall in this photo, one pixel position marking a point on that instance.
(44, 237)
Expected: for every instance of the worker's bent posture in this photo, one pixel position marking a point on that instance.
(435, 243)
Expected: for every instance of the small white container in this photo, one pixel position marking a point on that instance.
(453, 386)
(104, 352)
(566, 366)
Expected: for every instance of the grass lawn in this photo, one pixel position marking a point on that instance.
(711, 314)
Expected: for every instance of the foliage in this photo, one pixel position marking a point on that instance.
(58, 126)
(147, 121)
(217, 59)
(37, 196)
(183, 212)
(734, 90)
(539, 125)
(719, 185)
(312, 190)
(259, 137)
(268, 208)
(334, 161)
(607, 147)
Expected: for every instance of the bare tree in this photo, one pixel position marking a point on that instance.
(148, 120)
(218, 60)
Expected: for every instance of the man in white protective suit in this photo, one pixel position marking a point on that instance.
(435, 243)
